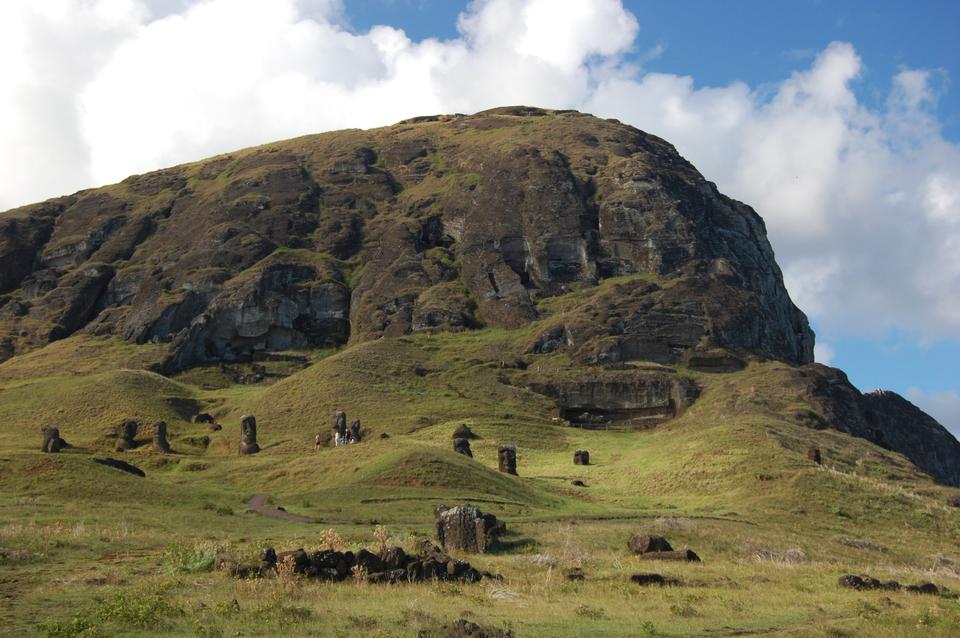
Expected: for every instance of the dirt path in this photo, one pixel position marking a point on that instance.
(259, 505)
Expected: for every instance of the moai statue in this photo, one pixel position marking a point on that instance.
(814, 455)
(355, 430)
(462, 446)
(248, 435)
(126, 432)
(581, 457)
(340, 427)
(52, 443)
(160, 443)
(507, 457)
(466, 529)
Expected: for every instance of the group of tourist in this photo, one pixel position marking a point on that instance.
(342, 435)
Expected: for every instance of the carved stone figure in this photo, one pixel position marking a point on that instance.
(248, 435)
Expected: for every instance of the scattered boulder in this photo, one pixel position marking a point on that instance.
(203, 417)
(214, 427)
(392, 566)
(653, 579)
(463, 431)
(645, 543)
(865, 583)
(160, 443)
(464, 628)
(814, 455)
(507, 458)
(52, 443)
(574, 573)
(123, 466)
(682, 555)
(384, 435)
(578, 483)
(248, 435)
(462, 446)
(126, 433)
(466, 529)
(954, 501)
(581, 457)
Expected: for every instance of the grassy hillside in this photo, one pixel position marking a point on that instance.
(86, 550)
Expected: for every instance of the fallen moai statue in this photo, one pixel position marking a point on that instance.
(653, 579)
(648, 547)
(466, 529)
(463, 431)
(52, 443)
(392, 566)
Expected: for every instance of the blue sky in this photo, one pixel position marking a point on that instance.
(837, 120)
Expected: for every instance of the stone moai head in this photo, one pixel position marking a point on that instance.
(160, 443)
(340, 421)
(814, 455)
(126, 432)
(462, 446)
(248, 435)
(581, 457)
(507, 457)
(52, 443)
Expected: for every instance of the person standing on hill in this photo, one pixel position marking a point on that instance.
(316, 442)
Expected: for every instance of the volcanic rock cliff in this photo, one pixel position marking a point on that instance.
(436, 223)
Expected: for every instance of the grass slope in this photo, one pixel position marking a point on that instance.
(87, 550)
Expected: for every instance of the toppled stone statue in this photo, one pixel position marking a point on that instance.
(814, 455)
(644, 543)
(462, 446)
(463, 431)
(466, 529)
(126, 432)
(507, 458)
(160, 443)
(248, 435)
(52, 443)
(581, 457)
(647, 547)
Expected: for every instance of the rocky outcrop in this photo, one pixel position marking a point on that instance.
(433, 224)
(885, 418)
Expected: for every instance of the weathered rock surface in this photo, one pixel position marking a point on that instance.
(245, 252)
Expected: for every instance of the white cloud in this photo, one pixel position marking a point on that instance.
(943, 406)
(862, 204)
(823, 353)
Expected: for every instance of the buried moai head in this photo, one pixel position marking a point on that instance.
(462, 446)
(126, 432)
(814, 455)
(466, 529)
(160, 443)
(581, 457)
(248, 435)
(507, 457)
(52, 443)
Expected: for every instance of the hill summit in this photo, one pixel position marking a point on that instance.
(587, 236)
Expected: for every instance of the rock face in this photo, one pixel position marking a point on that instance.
(248, 435)
(466, 529)
(446, 226)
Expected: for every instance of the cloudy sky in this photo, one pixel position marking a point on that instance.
(838, 121)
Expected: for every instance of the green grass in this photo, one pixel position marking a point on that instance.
(88, 550)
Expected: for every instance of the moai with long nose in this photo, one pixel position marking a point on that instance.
(248, 435)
